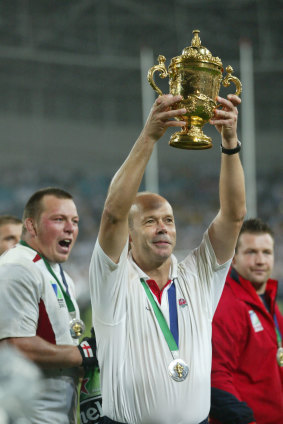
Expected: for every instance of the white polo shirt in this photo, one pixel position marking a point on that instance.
(132, 351)
(31, 303)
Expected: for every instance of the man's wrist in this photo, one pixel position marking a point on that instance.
(232, 151)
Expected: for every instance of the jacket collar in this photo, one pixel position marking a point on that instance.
(244, 290)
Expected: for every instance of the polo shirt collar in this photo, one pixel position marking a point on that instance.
(142, 274)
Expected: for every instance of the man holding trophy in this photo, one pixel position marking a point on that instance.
(156, 370)
(152, 315)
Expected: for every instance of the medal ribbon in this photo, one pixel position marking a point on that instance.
(64, 279)
(277, 330)
(276, 325)
(173, 312)
(66, 295)
(278, 334)
(161, 320)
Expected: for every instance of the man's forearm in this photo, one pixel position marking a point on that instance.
(126, 182)
(232, 188)
(45, 354)
(232, 184)
(225, 228)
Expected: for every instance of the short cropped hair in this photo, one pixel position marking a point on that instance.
(9, 219)
(33, 208)
(255, 226)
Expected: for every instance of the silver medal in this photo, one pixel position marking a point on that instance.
(77, 328)
(178, 370)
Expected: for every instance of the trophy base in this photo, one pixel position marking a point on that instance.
(192, 139)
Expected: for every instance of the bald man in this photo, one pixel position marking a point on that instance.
(152, 316)
(10, 232)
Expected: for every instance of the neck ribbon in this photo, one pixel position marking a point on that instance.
(161, 320)
(66, 295)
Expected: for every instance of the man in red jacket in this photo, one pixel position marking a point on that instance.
(247, 363)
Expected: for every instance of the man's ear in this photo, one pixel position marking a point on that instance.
(28, 223)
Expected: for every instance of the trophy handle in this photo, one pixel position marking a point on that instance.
(231, 78)
(162, 73)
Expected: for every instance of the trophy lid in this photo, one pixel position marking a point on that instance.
(197, 53)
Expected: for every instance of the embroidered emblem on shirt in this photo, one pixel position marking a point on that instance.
(59, 294)
(54, 285)
(255, 321)
(183, 303)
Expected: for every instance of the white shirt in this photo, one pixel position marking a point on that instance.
(31, 303)
(132, 351)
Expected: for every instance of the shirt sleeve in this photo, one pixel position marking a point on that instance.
(108, 285)
(209, 275)
(18, 301)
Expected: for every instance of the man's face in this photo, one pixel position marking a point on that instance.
(254, 259)
(153, 233)
(10, 235)
(56, 229)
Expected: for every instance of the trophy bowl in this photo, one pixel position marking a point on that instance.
(197, 76)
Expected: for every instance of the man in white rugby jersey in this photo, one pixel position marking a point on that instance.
(152, 316)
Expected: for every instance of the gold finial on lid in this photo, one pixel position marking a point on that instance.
(198, 53)
(196, 42)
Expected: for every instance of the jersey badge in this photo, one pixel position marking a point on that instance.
(58, 294)
(182, 303)
(255, 321)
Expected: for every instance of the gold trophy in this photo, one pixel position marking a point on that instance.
(197, 76)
